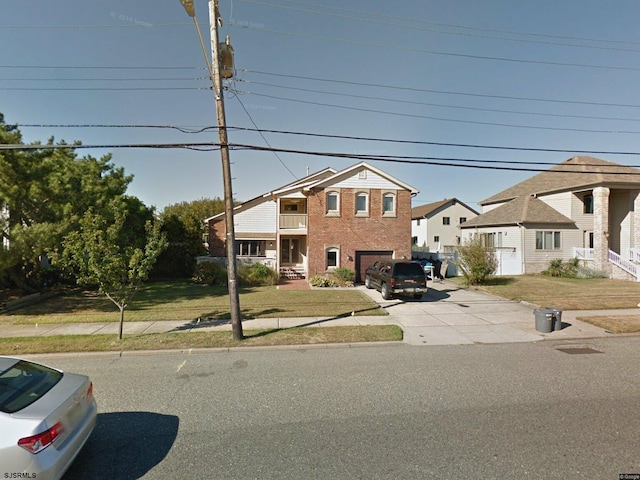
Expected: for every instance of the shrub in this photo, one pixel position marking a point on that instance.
(210, 273)
(476, 262)
(571, 269)
(344, 276)
(257, 274)
(321, 281)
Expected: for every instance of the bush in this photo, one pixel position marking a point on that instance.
(476, 262)
(210, 273)
(322, 281)
(571, 269)
(344, 276)
(257, 274)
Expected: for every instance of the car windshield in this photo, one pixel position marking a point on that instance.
(23, 383)
(408, 269)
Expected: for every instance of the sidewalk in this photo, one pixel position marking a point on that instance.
(447, 315)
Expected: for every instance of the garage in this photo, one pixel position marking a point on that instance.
(366, 258)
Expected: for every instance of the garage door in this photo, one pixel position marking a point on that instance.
(365, 259)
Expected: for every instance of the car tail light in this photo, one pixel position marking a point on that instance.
(39, 442)
(90, 391)
(392, 282)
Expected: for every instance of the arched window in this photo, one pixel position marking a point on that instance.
(389, 204)
(333, 258)
(362, 204)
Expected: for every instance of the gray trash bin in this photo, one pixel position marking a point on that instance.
(557, 323)
(545, 319)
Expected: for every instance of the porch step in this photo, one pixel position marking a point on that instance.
(292, 273)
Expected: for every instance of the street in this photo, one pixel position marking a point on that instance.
(474, 411)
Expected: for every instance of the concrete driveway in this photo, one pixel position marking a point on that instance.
(453, 315)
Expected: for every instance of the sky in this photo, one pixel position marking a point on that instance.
(457, 98)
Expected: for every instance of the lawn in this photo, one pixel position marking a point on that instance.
(159, 301)
(567, 293)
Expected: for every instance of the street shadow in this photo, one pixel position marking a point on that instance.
(125, 445)
(434, 295)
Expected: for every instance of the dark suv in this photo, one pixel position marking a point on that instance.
(396, 277)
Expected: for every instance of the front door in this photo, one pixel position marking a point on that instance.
(290, 251)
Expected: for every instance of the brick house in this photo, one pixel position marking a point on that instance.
(330, 219)
(583, 208)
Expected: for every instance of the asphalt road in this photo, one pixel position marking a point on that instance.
(451, 412)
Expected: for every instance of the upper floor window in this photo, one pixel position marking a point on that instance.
(333, 203)
(389, 205)
(418, 222)
(588, 203)
(362, 203)
(446, 220)
(463, 219)
(547, 240)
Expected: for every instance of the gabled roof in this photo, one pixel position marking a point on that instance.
(521, 210)
(577, 173)
(424, 211)
(356, 168)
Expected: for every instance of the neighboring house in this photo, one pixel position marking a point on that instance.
(330, 219)
(584, 207)
(436, 226)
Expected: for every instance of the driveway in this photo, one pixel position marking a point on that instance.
(453, 315)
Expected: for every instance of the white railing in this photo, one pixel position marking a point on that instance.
(634, 255)
(289, 221)
(583, 253)
(626, 265)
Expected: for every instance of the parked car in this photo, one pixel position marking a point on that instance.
(396, 277)
(46, 416)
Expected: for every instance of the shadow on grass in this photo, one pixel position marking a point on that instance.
(125, 445)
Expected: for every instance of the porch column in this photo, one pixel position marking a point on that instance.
(600, 228)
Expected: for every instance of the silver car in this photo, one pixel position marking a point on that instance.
(46, 416)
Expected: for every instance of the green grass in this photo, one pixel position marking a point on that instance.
(186, 301)
(566, 293)
(196, 340)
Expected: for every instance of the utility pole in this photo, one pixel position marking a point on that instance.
(216, 78)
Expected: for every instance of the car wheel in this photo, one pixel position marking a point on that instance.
(386, 293)
(417, 296)
(367, 281)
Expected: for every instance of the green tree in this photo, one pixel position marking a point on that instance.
(43, 194)
(475, 261)
(185, 230)
(106, 251)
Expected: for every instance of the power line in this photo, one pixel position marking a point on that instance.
(200, 129)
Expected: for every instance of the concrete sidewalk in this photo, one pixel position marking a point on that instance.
(447, 315)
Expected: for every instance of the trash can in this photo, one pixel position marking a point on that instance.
(557, 323)
(545, 319)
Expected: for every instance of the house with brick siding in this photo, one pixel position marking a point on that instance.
(330, 219)
(583, 208)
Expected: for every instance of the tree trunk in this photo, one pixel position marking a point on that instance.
(121, 322)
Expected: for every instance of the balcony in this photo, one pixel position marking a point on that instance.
(289, 221)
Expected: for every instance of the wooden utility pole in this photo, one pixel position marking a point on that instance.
(216, 78)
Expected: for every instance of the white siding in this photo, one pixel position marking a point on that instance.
(258, 219)
(372, 180)
(559, 201)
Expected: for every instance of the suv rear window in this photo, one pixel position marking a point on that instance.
(408, 269)
(24, 383)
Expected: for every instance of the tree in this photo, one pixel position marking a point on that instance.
(476, 261)
(184, 227)
(108, 251)
(43, 194)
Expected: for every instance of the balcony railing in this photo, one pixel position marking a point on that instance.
(292, 221)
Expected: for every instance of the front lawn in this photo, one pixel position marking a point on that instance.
(181, 300)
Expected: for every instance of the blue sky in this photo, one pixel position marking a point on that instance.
(544, 75)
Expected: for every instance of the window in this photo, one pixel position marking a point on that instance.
(492, 240)
(333, 200)
(436, 238)
(463, 219)
(389, 205)
(446, 220)
(547, 240)
(362, 203)
(588, 203)
(414, 240)
(251, 248)
(332, 258)
(418, 222)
